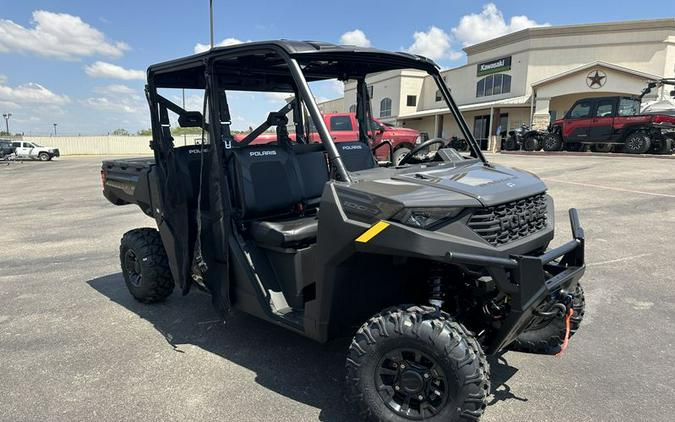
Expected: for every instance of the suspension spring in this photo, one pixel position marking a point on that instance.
(437, 287)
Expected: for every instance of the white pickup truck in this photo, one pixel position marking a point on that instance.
(27, 149)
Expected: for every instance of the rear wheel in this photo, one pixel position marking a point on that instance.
(546, 335)
(145, 266)
(637, 143)
(510, 144)
(531, 144)
(416, 364)
(553, 142)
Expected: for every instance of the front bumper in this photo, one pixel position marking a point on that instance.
(55, 152)
(529, 280)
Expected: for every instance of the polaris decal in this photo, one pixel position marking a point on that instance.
(261, 153)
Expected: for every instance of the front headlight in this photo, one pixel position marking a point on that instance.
(425, 218)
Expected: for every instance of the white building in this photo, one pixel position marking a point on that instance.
(529, 76)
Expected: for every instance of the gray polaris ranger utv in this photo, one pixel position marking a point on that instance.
(433, 262)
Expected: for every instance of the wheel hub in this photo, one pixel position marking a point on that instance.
(411, 383)
(132, 267)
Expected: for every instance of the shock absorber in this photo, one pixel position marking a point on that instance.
(437, 287)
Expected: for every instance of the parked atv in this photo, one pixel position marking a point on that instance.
(524, 138)
(612, 123)
(433, 262)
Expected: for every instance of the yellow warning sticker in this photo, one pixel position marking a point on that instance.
(372, 232)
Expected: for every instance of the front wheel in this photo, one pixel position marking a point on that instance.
(553, 142)
(416, 363)
(43, 156)
(399, 154)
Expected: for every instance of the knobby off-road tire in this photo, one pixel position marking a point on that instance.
(553, 142)
(531, 144)
(637, 143)
(510, 144)
(409, 360)
(145, 266)
(546, 336)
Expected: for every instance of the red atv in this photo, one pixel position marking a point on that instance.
(611, 123)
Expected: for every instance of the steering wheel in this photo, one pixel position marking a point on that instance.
(420, 147)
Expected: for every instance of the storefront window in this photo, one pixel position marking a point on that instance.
(499, 83)
(385, 107)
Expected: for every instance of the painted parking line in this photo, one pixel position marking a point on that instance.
(591, 185)
(614, 261)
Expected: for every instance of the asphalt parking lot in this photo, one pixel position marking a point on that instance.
(74, 345)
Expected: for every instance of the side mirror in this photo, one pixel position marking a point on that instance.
(191, 119)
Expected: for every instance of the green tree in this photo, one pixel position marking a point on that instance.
(120, 132)
(144, 132)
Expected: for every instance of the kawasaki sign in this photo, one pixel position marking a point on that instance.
(494, 66)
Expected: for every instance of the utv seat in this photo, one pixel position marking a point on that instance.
(356, 155)
(271, 187)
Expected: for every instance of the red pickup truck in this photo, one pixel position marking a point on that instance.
(608, 123)
(343, 127)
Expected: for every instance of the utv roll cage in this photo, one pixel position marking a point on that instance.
(274, 66)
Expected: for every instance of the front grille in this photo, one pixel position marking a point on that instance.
(504, 223)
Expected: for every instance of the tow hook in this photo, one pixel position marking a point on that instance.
(559, 309)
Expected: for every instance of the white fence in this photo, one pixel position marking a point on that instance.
(97, 145)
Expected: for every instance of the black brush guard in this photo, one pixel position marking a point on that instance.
(529, 280)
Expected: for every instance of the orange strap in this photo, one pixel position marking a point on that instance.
(566, 341)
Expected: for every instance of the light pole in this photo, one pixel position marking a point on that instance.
(54, 129)
(7, 116)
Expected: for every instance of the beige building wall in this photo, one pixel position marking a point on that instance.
(100, 145)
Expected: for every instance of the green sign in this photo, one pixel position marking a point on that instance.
(494, 66)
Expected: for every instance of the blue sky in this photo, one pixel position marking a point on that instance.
(80, 63)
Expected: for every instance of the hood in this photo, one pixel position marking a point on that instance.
(471, 184)
(400, 131)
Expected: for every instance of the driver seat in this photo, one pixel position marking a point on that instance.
(356, 155)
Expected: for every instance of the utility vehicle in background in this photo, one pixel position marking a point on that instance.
(31, 150)
(429, 264)
(389, 143)
(611, 123)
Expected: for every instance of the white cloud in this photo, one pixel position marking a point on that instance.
(57, 35)
(200, 48)
(433, 44)
(3, 78)
(115, 89)
(31, 93)
(112, 71)
(355, 37)
(277, 96)
(489, 23)
(119, 105)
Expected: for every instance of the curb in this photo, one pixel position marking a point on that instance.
(587, 154)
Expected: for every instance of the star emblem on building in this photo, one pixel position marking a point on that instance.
(596, 79)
